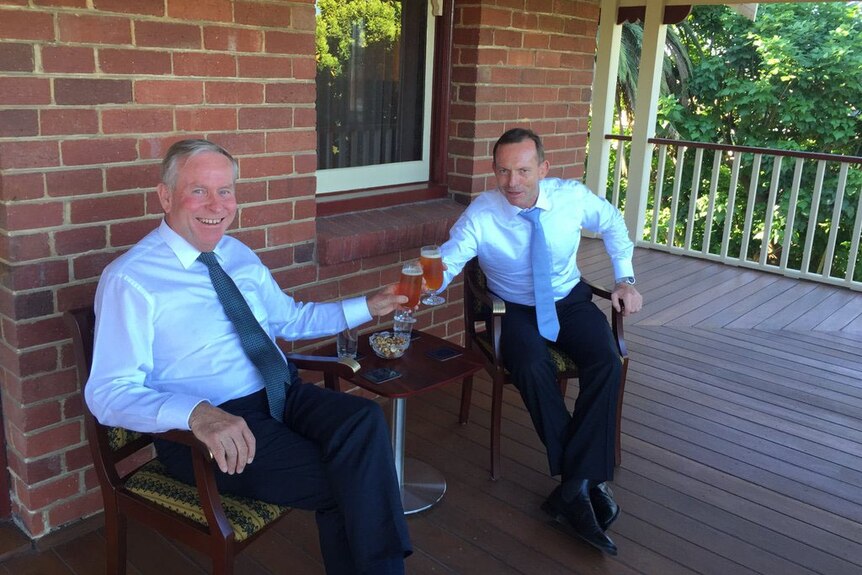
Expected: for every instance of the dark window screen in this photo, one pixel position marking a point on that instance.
(370, 85)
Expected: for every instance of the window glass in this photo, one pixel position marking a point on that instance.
(373, 80)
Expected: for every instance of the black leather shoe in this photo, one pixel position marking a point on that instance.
(604, 506)
(576, 512)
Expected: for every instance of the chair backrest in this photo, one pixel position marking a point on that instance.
(108, 445)
(474, 283)
(82, 327)
(483, 302)
(482, 315)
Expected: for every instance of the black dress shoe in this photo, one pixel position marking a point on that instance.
(604, 506)
(576, 512)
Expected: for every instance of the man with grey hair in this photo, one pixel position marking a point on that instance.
(196, 313)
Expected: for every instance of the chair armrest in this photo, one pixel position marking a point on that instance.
(598, 290)
(333, 368)
(488, 299)
(340, 366)
(497, 305)
(205, 481)
(184, 437)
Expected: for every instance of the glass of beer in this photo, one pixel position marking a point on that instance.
(432, 271)
(410, 285)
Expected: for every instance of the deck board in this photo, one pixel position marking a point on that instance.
(742, 449)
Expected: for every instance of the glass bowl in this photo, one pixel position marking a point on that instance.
(388, 345)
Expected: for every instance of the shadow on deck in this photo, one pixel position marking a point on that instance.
(742, 449)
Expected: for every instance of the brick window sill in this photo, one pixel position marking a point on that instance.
(347, 237)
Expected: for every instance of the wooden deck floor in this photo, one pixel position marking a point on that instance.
(742, 450)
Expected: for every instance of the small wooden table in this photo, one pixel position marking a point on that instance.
(421, 484)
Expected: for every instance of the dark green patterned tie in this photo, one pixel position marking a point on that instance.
(256, 343)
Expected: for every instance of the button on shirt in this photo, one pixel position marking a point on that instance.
(491, 228)
(164, 343)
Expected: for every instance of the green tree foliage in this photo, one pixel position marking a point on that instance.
(343, 23)
(790, 80)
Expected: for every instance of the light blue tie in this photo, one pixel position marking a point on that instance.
(256, 343)
(546, 310)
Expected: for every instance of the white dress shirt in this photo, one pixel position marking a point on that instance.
(491, 228)
(163, 342)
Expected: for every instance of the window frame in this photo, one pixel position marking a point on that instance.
(434, 185)
(334, 180)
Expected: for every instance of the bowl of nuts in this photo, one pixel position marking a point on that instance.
(388, 345)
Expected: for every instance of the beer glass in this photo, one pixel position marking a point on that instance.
(432, 271)
(410, 284)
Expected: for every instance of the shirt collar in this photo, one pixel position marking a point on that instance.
(543, 202)
(185, 252)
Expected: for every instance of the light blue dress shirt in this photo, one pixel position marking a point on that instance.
(490, 228)
(164, 343)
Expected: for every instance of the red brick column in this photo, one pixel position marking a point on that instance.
(92, 93)
(520, 63)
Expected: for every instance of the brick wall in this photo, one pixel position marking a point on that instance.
(518, 63)
(92, 92)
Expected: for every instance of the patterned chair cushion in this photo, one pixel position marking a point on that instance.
(482, 311)
(119, 437)
(562, 362)
(246, 516)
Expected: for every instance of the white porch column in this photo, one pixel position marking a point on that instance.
(650, 68)
(604, 93)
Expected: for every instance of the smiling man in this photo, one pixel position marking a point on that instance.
(185, 328)
(526, 235)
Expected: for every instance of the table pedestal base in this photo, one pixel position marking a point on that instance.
(422, 486)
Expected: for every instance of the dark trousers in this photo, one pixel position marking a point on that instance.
(580, 445)
(332, 454)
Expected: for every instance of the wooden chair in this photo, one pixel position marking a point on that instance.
(483, 313)
(135, 485)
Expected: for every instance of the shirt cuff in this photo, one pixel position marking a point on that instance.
(356, 311)
(176, 413)
(623, 270)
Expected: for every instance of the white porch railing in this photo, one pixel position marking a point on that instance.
(794, 213)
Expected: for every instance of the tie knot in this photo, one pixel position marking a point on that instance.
(208, 259)
(531, 214)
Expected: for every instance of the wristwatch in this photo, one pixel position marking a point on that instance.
(626, 280)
